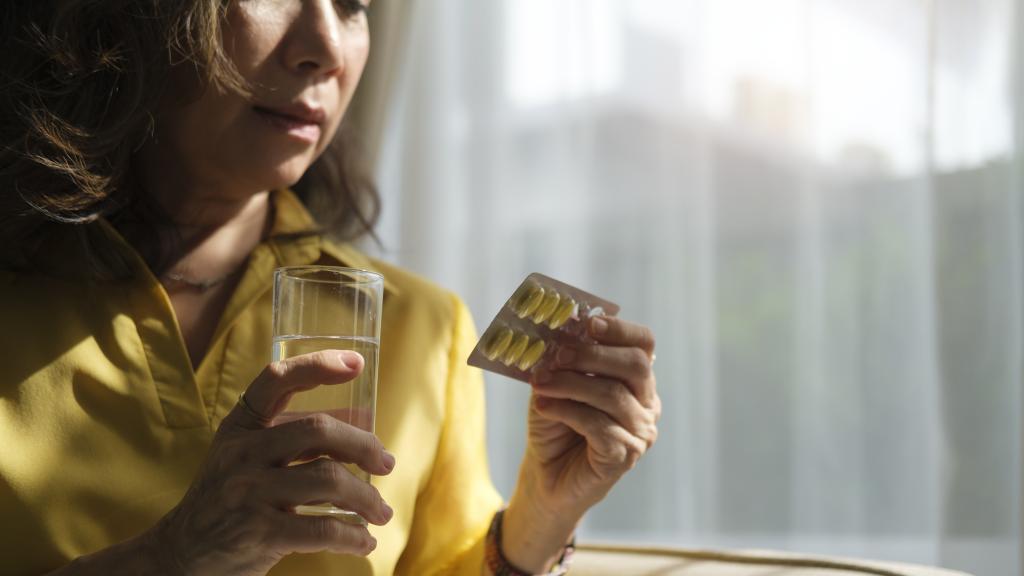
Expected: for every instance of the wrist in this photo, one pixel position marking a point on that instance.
(498, 564)
(158, 545)
(533, 534)
(138, 555)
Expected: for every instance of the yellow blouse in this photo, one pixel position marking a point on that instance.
(103, 422)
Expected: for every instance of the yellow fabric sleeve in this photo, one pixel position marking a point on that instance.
(456, 505)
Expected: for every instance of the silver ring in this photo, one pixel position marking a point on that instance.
(248, 409)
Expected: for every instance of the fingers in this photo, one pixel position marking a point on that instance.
(308, 534)
(618, 332)
(268, 394)
(631, 365)
(614, 447)
(607, 395)
(325, 481)
(320, 434)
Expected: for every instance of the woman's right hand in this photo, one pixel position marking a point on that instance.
(237, 518)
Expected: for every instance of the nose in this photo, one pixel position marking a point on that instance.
(317, 40)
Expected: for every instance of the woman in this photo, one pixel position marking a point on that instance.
(148, 148)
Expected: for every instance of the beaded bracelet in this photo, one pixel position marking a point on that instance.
(500, 566)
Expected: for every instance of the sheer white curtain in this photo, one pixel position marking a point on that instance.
(814, 203)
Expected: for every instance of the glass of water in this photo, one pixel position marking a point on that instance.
(331, 308)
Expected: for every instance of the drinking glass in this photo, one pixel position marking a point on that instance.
(330, 308)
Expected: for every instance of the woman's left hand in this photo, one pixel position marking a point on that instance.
(593, 414)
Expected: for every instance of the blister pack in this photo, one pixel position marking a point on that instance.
(539, 316)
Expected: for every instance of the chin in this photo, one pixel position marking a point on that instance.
(286, 180)
(282, 175)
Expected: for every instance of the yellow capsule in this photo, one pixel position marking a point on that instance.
(562, 314)
(532, 355)
(498, 343)
(527, 299)
(546, 307)
(516, 349)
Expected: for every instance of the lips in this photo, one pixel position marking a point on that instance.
(301, 121)
(299, 113)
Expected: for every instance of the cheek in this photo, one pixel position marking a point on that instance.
(355, 64)
(251, 32)
(212, 123)
(346, 89)
(210, 141)
(356, 61)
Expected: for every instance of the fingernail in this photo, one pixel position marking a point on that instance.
(371, 545)
(542, 376)
(565, 356)
(388, 513)
(345, 357)
(598, 326)
(389, 460)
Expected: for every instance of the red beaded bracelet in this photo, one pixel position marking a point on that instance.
(500, 566)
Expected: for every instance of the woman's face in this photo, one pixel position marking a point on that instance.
(302, 60)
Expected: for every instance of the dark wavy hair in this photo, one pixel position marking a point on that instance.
(80, 83)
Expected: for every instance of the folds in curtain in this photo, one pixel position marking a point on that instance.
(815, 203)
(368, 113)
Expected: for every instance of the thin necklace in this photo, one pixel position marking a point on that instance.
(203, 284)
